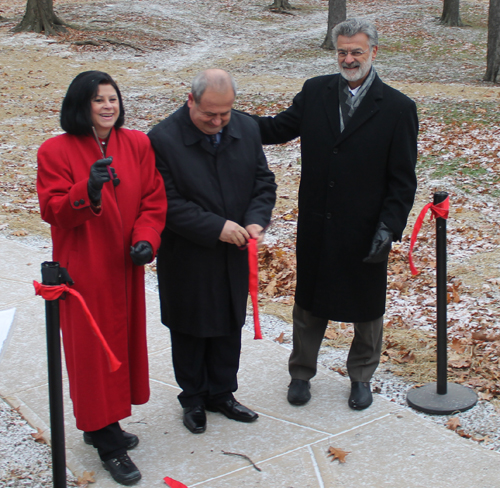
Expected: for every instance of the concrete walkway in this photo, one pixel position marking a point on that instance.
(389, 446)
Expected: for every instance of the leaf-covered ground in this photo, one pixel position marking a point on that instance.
(153, 49)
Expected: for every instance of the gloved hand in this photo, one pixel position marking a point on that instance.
(381, 245)
(99, 175)
(141, 253)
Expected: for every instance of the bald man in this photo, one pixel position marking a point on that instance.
(220, 194)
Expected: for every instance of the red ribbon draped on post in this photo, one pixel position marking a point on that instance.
(441, 210)
(54, 292)
(253, 284)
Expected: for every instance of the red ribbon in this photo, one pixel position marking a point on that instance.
(173, 483)
(54, 292)
(441, 210)
(253, 284)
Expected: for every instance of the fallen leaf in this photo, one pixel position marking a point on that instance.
(484, 439)
(337, 454)
(479, 336)
(86, 478)
(330, 334)
(462, 433)
(457, 346)
(340, 371)
(280, 338)
(453, 423)
(408, 357)
(271, 288)
(38, 435)
(19, 233)
(485, 395)
(459, 363)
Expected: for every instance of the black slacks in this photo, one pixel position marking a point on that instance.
(109, 441)
(206, 368)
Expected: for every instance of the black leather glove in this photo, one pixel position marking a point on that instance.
(99, 175)
(381, 245)
(141, 253)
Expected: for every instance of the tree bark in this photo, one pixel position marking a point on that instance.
(451, 13)
(337, 13)
(40, 17)
(493, 57)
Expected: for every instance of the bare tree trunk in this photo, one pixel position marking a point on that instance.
(451, 13)
(40, 17)
(493, 58)
(337, 13)
(281, 5)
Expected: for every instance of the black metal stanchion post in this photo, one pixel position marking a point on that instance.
(441, 300)
(51, 277)
(441, 398)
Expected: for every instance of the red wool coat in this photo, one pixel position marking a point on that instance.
(95, 249)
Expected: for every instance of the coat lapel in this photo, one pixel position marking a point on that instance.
(367, 109)
(331, 99)
(231, 131)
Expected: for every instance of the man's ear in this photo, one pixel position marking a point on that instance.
(190, 101)
(374, 52)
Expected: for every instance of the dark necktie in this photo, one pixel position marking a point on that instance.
(213, 140)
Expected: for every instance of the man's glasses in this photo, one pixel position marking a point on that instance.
(355, 54)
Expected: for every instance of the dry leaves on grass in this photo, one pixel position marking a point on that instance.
(277, 273)
(336, 453)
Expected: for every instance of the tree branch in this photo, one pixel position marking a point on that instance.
(244, 456)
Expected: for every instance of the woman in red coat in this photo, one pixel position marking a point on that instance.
(105, 201)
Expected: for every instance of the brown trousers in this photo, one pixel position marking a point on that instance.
(308, 332)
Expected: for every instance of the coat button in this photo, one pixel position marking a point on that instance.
(76, 203)
(328, 215)
(335, 151)
(331, 184)
(82, 202)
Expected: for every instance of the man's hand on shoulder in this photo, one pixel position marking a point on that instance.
(256, 232)
(234, 234)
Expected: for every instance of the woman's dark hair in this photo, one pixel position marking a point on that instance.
(75, 111)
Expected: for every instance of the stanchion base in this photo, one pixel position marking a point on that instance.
(426, 399)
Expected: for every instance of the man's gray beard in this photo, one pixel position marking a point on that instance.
(364, 69)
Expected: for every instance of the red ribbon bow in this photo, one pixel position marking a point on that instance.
(440, 210)
(253, 284)
(54, 292)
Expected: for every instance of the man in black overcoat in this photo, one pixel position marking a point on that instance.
(359, 149)
(220, 194)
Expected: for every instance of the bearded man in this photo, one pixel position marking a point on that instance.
(359, 149)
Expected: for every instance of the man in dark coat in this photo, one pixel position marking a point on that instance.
(221, 193)
(359, 148)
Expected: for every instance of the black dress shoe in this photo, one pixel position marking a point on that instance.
(361, 395)
(234, 410)
(122, 469)
(299, 392)
(195, 419)
(131, 440)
